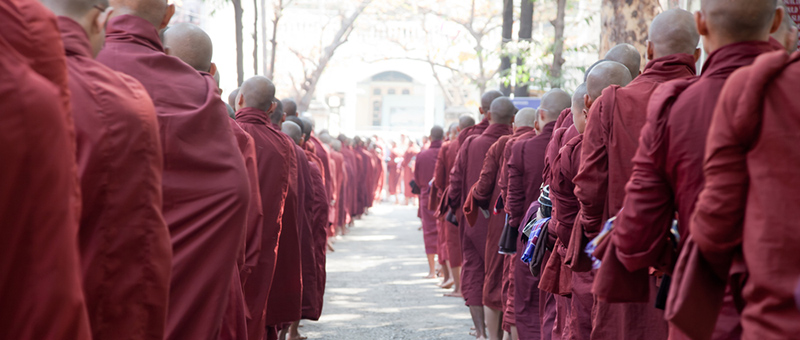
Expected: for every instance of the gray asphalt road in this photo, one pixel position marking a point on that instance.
(375, 287)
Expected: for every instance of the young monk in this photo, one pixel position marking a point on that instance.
(254, 103)
(213, 201)
(628, 55)
(423, 173)
(290, 107)
(441, 181)
(525, 167)
(116, 234)
(746, 206)
(39, 250)
(465, 173)
(484, 193)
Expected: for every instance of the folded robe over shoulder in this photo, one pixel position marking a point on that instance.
(39, 264)
(126, 254)
(205, 186)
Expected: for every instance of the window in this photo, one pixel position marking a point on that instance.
(406, 92)
(391, 91)
(376, 91)
(376, 113)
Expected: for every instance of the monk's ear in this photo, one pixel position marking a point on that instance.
(239, 101)
(700, 22)
(650, 50)
(587, 102)
(167, 17)
(272, 107)
(213, 69)
(488, 115)
(777, 21)
(697, 54)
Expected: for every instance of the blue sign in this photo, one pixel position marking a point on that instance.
(523, 102)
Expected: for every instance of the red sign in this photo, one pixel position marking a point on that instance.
(793, 7)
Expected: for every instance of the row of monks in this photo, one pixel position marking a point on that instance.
(400, 162)
(134, 207)
(663, 203)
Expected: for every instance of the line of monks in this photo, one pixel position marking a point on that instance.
(133, 207)
(663, 203)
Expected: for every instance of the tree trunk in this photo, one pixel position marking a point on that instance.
(525, 33)
(274, 41)
(626, 21)
(255, 36)
(558, 46)
(264, 51)
(505, 60)
(237, 12)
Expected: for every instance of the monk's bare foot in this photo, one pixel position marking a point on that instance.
(447, 284)
(330, 248)
(454, 294)
(431, 276)
(420, 228)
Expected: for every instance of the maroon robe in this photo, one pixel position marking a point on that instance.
(273, 148)
(525, 168)
(408, 169)
(609, 143)
(313, 241)
(423, 173)
(323, 155)
(473, 130)
(394, 170)
(39, 259)
(205, 186)
(483, 195)
(441, 181)
(351, 188)
(669, 162)
(125, 244)
(339, 181)
(749, 203)
(465, 173)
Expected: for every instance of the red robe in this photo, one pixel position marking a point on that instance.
(272, 148)
(125, 244)
(525, 168)
(205, 186)
(483, 195)
(423, 173)
(314, 241)
(380, 173)
(394, 170)
(441, 180)
(351, 189)
(339, 180)
(609, 143)
(473, 130)
(669, 162)
(408, 169)
(749, 203)
(39, 259)
(465, 173)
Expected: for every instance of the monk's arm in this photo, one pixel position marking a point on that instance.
(483, 189)
(591, 183)
(516, 188)
(457, 179)
(646, 217)
(719, 214)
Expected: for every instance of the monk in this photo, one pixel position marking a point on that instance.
(670, 160)
(423, 173)
(213, 202)
(745, 163)
(628, 55)
(289, 107)
(463, 176)
(322, 154)
(483, 194)
(407, 167)
(341, 186)
(254, 104)
(277, 117)
(39, 251)
(476, 129)
(393, 168)
(525, 167)
(565, 208)
(610, 140)
(139, 241)
(441, 180)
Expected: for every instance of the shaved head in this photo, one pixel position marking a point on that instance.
(74, 9)
(627, 55)
(437, 133)
(488, 98)
(298, 121)
(502, 111)
(672, 32)
(276, 117)
(156, 12)
(336, 145)
(289, 107)
(739, 20)
(525, 117)
(577, 98)
(604, 75)
(453, 129)
(465, 121)
(553, 102)
(589, 70)
(190, 44)
(232, 98)
(258, 93)
(293, 131)
(308, 125)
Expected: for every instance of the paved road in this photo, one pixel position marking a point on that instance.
(375, 288)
